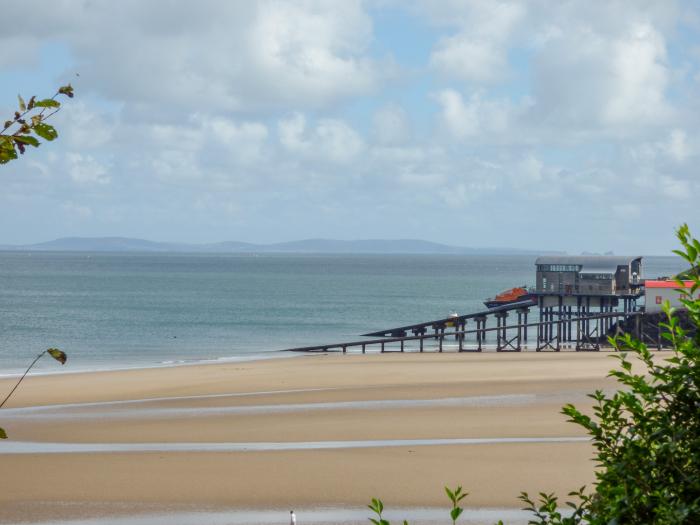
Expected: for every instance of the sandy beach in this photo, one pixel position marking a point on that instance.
(370, 403)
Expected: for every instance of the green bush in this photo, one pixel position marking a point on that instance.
(646, 434)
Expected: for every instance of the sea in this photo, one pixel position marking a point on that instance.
(122, 310)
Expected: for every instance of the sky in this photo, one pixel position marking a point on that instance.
(568, 125)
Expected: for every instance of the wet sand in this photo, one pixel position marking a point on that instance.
(169, 422)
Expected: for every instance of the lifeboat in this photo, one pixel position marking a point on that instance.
(514, 295)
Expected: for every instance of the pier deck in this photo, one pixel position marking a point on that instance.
(509, 338)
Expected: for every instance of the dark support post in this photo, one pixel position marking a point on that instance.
(540, 306)
(525, 311)
(363, 348)
(345, 349)
(421, 344)
(480, 333)
(587, 321)
(382, 347)
(498, 332)
(559, 321)
(402, 345)
(578, 322)
(440, 341)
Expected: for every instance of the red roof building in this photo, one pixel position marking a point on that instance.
(658, 292)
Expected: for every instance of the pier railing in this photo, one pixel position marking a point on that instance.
(509, 338)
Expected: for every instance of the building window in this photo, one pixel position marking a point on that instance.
(558, 267)
(597, 276)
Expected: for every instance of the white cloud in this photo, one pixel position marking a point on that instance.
(76, 210)
(85, 169)
(202, 118)
(677, 146)
(478, 52)
(475, 118)
(460, 119)
(329, 140)
(391, 125)
(639, 78)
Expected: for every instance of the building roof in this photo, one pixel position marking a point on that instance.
(590, 263)
(667, 284)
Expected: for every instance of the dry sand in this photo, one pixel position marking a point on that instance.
(488, 396)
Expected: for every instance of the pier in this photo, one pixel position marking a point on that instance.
(580, 301)
(508, 338)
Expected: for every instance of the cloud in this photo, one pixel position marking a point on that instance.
(589, 77)
(76, 210)
(329, 140)
(478, 51)
(476, 118)
(677, 146)
(391, 125)
(85, 169)
(253, 119)
(231, 56)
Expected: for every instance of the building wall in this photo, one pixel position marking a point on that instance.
(655, 297)
(571, 282)
(557, 282)
(597, 284)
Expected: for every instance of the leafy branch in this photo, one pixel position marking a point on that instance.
(28, 124)
(57, 354)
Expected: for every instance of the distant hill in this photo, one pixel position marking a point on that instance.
(387, 246)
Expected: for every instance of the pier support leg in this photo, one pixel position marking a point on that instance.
(527, 310)
(498, 333)
(559, 322)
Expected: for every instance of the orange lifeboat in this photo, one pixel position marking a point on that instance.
(513, 295)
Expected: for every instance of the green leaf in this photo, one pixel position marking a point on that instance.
(45, 131)
(455, 513)
(6, 155)
(26, 139)
(3, 434)
(22, 105)
(66, 90)
(47, 103)
(58, 355)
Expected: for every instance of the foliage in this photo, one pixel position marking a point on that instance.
(57, 354)
(455, 497)
(28, 124)
(646, 433)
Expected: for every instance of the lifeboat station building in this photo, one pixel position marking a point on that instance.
(574, 287)
(658, 292)
(589, 277)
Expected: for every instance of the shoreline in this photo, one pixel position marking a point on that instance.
(263, 355)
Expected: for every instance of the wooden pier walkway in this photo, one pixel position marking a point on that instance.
(457, 321)
(552, 334)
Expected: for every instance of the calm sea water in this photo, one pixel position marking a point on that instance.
(115, 310)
